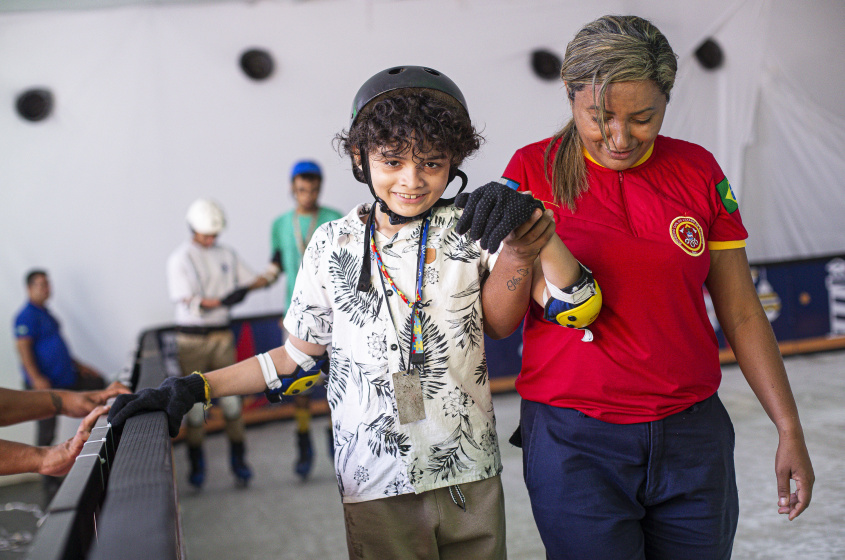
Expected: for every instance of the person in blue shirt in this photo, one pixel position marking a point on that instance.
(46, 361)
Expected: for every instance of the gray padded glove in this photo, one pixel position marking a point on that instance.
(492, 211)
(175, 396)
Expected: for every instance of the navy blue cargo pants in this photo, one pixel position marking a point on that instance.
(662, 490)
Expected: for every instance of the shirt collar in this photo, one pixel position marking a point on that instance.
(641, 161)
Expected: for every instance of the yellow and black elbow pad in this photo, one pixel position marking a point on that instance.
(580, 304)
(300, 381)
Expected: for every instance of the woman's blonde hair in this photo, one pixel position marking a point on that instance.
(609, 49)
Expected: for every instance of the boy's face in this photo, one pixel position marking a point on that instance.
(409, 185)
(305, 192)
(206, 240)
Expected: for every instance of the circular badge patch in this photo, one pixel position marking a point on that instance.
(687, 234)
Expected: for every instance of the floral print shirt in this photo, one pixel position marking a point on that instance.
(376, 456)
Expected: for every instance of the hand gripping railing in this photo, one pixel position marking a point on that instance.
(138, 517)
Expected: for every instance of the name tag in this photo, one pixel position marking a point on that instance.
(409, 396)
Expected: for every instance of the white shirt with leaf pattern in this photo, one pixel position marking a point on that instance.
(375, 456)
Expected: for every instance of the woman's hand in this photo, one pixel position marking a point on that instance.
(792, 462)
(526, 240)
(750, 336)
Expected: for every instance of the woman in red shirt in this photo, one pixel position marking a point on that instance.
(628, 452)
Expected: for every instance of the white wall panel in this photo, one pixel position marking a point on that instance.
(152, 111)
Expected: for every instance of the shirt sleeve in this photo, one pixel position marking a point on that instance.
(726, 230)
(488, 259)
(310, 316)
(526, 172)
(25, 325)
(180, 285)
(515, 175)
(274, 237)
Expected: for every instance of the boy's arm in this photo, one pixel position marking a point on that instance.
(506, 292)
(176, 395)
(557, 266)
(249, 378)
(565, 289)
(19, 457)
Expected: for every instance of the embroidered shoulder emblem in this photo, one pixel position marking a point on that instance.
(727, 195)
(688, 235)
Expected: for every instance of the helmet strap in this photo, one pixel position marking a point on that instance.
(454, 172)
(366, 266)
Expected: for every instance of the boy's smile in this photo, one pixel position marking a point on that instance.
(409, 184)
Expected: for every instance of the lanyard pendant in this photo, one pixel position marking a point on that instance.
(418, 341)
(417, 356)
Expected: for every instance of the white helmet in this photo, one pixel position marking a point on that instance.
(206, 217)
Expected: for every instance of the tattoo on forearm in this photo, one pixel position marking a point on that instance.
(516, 280)
(57, 402)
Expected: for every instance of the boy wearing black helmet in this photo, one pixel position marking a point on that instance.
(397, 293)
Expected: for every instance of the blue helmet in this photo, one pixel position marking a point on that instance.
(305, 166)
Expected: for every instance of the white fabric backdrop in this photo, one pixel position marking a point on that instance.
(152, 112)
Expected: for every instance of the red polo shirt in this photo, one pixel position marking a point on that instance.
(646, 233)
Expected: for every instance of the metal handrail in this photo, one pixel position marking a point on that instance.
(119, 499)
(138, 517)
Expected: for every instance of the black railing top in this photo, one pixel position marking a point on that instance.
(119, 499)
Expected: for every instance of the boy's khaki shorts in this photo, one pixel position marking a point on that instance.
(430, 525)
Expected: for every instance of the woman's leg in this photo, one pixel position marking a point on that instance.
(692, 504)
(584, 477)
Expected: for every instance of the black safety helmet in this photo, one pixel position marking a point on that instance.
(400, 77)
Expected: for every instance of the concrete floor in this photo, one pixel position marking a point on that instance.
(279, 517)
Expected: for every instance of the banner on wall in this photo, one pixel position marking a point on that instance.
(803, 299)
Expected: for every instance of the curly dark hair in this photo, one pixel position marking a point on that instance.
(423, 120)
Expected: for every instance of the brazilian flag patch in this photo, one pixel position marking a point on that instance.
(728, 197)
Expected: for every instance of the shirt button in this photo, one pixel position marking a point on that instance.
(388, 293)
(394, 347)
